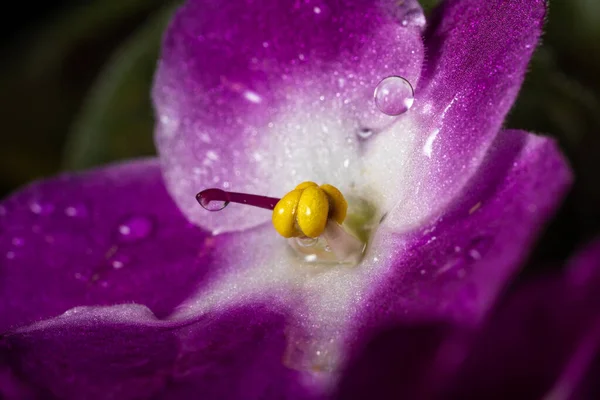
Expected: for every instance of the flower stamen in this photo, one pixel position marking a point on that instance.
(304, 215)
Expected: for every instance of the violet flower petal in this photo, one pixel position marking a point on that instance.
(542, 341)
(476, 58)
(94, 353)
(104, 237)
(260, 96)
(124, 352)
(236, 354)
(455, 267)
(408, 361)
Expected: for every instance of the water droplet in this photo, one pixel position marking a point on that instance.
(119, 261)
(134, 228)
(41, 208)
(479, 247)
(311, 258)
(327, 248)
(414, 17)
(18, 241)
(394, 95)
(306, 241)
(80, 277)
(76, 210)
(2, 211)
(10, 255)
(213, 199)
(364, 133)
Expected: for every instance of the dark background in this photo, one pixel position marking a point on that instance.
(76, 74)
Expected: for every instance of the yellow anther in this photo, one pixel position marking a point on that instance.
(305, 210)
(284, 214)
(306, 184)
(337, 203)
(312, 211)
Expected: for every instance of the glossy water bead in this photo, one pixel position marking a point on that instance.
(394, 95)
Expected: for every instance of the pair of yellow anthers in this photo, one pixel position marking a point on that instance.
(306, 210)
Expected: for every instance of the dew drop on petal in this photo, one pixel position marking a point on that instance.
(134, 228)
(414, 18)
(78, 210)
(119, 261)
(364, 133)
(18, 241)
(41, 208)
(394, 95)
(478, 247)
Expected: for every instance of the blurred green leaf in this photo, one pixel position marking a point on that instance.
(44, 75)
(552, 102)
(116, 121)
(428, 5)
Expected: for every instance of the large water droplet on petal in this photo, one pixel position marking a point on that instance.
(134, 228)
(394, 95)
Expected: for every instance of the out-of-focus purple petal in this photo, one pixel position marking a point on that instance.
(406, 362)
(455, 267)
(257, 96)
(543, 341)
(477, 56)
(11, 386)
(94, 353)
(236, 355)
(104, 237)
(124, 352)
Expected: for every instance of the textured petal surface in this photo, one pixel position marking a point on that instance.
(124, 352)
(455, 267)
(235, 355)
(118, 352)
(257, 96)
(477, 55)
(105, 237)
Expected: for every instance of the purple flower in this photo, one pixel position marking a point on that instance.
(116, 284)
